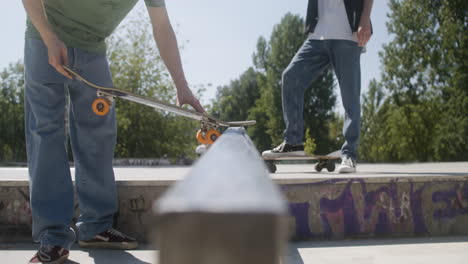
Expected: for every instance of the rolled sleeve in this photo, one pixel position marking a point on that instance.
(155, 3)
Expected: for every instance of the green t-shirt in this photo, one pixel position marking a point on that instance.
(85, 24)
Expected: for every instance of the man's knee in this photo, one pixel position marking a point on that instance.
(289, 74)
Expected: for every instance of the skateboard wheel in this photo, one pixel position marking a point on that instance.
(271, 166)
(101, 106)
(201, 138)
(212, 136)
(318, 167)
(330, 166)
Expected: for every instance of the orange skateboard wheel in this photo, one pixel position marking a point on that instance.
(101, 106)
(212, 136)
(201, 138)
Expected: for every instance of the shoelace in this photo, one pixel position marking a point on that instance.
(348, 161)
(280, 147)
(43, 253)
(116, 233)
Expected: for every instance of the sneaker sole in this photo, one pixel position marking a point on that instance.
(61, 260)
(346, 171)
(108, 245)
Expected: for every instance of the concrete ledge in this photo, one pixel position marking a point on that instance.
(398, 200)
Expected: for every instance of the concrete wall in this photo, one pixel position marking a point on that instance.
(320, 209)
(134, 216)
(15, 214)
(349, 208)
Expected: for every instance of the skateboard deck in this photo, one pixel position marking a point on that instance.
(207, 133)
(323, 161)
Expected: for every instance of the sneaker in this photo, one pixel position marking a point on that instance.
(347, 165)
(284, 149)
(50, 255)
(110, 239)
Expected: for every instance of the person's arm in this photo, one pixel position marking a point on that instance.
(364, 30)
(167, 44)
(57, 51)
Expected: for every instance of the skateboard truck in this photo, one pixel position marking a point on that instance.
(208, 133)
(102, 104)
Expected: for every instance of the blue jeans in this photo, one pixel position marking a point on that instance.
(92, 139)
(312, 58)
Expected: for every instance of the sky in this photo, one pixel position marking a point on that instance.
(219, 37)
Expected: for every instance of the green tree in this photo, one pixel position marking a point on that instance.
(233, 101)
(425, 72)
(451, 142)
(335, 132)
(237, 100)
(137, 67)
(309, 146)
(12, 140)
(372, 125)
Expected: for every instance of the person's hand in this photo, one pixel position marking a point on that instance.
(364, 31)
(185, 96)
(57, 55)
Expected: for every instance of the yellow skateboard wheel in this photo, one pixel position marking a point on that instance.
(201, 138)
(212, 136)
(101, 106)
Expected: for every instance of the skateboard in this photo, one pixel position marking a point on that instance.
(323, 161)
(207, 134)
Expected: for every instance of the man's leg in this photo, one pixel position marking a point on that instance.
(51, 189)
(307, 64)
(93, 140)
(347, 63)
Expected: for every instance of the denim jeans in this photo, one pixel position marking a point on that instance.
(92, 139)
(312, 58)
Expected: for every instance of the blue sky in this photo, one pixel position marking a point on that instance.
(219, 37)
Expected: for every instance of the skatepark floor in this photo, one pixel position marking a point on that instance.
(450, 250)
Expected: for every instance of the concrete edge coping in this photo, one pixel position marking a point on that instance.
(342, 180)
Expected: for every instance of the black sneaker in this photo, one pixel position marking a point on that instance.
(110, 239)
(284, 150)
(50, 255)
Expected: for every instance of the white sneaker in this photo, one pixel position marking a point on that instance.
(347, 165)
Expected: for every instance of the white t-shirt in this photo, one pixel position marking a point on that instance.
(333, 22)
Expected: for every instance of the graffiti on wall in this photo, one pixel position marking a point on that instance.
(16, 211)
(15, 208)
(326, 209)
(346, 208)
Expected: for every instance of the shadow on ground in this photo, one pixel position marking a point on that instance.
(378, 242)
(293, 255)
(113, 256)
